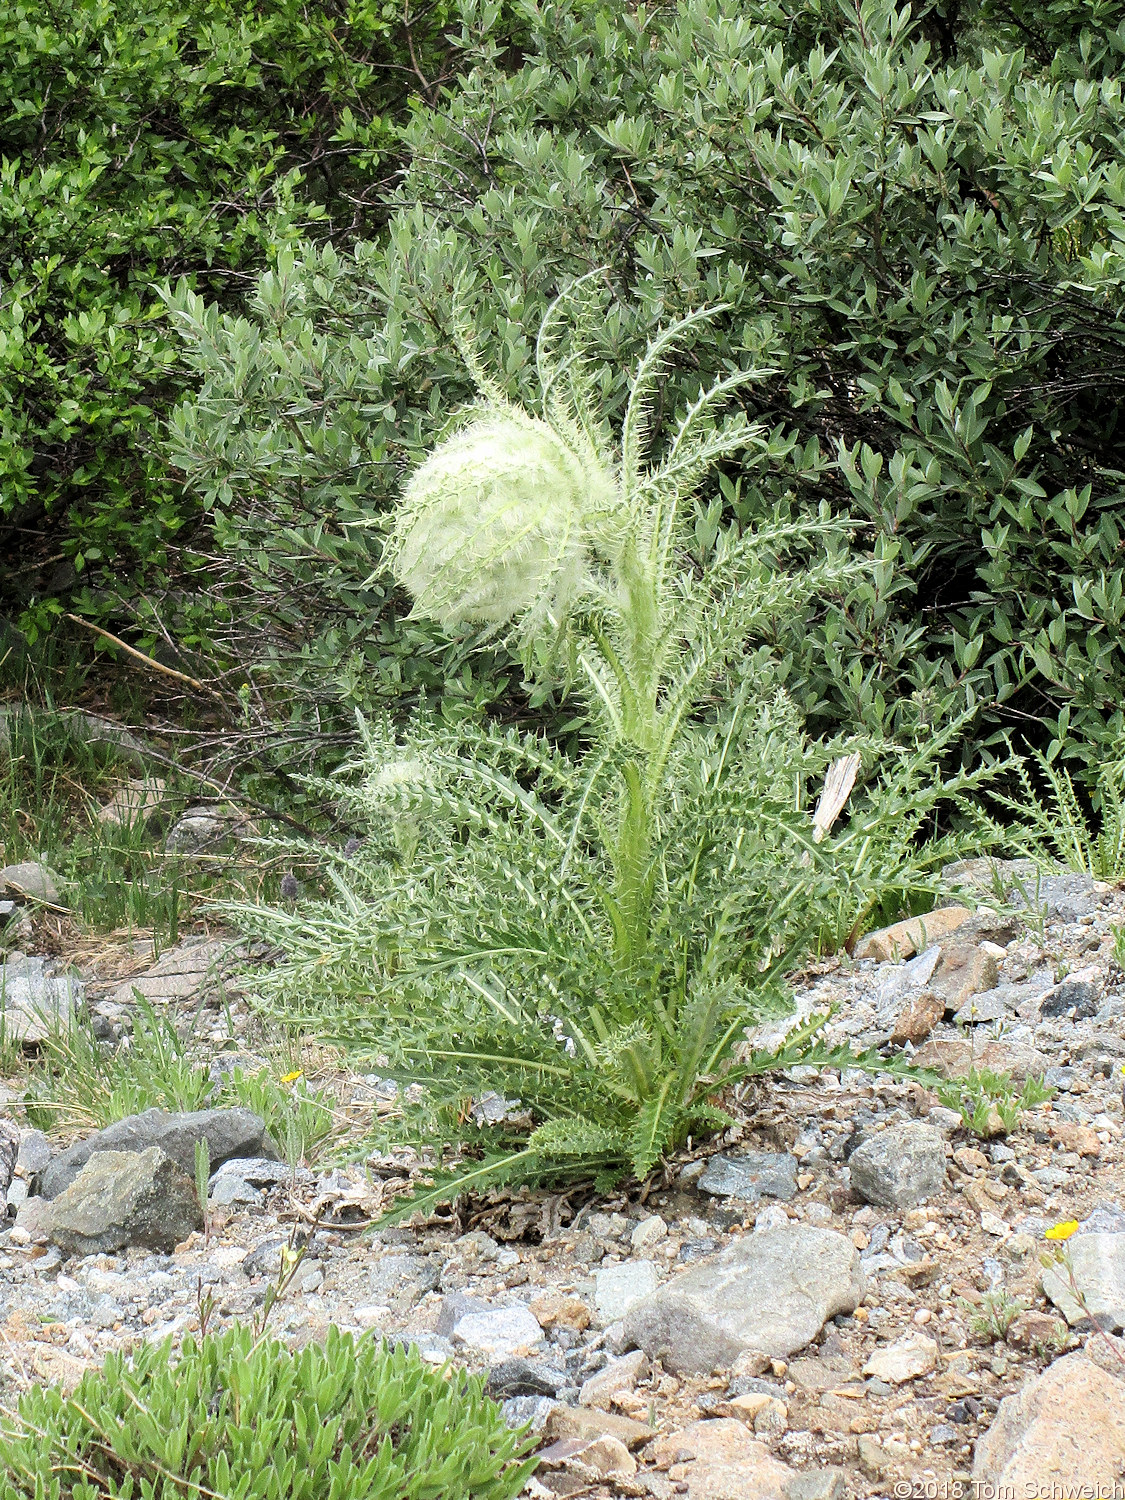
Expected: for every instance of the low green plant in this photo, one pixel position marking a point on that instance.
(1086, 833)
(300, 1118)
(588, 938)
(230, 1415)
(995, 1313)
(982, 1096)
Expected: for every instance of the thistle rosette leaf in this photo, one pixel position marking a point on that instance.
(493, 527)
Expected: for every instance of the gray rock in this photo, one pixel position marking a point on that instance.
(754, 1175)
(1063, 898)
(500, 1331)
(202, 828)
(32, 880)
(35, 1004)
(770, 1292)
(401, 1279)
(618, 1287)
(523, 1377)
(265, 1258)
(124, 1198)
(991, 1005)
(530, 1410)
(1076, 998)
(454, 1307)
(34, 1153)
(9, 1151)
(1104, 1218)
(817, 1484)
(179, 974)
(1097, 1263)
(228, 1133)
(900, 1166)
(242, 1179)
(897, 980)
(1064, 1428)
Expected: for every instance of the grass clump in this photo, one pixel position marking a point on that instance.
(79, 1082)
(589, 936)
(231, 1416)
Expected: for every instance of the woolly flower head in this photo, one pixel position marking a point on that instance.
(494, 525)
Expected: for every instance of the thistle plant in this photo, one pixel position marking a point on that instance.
(590, 937)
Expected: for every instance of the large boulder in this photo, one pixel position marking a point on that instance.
(229, 1133)
(770, 1292)
(900, 1166)
(1065, 1427)
(124, 1198)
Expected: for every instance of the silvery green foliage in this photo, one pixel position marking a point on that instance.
(592, 937)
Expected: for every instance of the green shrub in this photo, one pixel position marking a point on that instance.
(914, 221)
(589, 938)
(349, 1420)
(142, 140)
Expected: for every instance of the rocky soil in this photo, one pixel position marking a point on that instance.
(846, 1294)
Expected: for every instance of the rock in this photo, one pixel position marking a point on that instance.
(33, 881)
(906, 1359)
(180, 974)
(917, 1018)
(34, 1004)
(202, 828)
(1097, 1262)
(619, 1287)
(590, 1422)
(523, 1377)
(956, 1057)
(964, 971)
(34, 1153)
(9, 1152)
(1037, 1331)
(900, 1166)
(560, 1311)
(1063, 898)
(241, 1179)
(136, 801)
(530, 1411)
(602, 1457)
(1076, 998)
(401, 1279)
(904, 939)
(896, 980)
(124, 1198)
(648, 1232)
(771, 1292)
(1065, 1426)
(721, 1460)
(753, 1175)
(817, 1484)
(618, 1375)
(500, 1331)
(228, 1133)
(980, 1010)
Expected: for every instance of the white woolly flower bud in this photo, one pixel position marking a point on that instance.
(492, 525)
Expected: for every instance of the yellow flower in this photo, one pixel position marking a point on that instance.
(292, 1078)
(1062, 1231)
